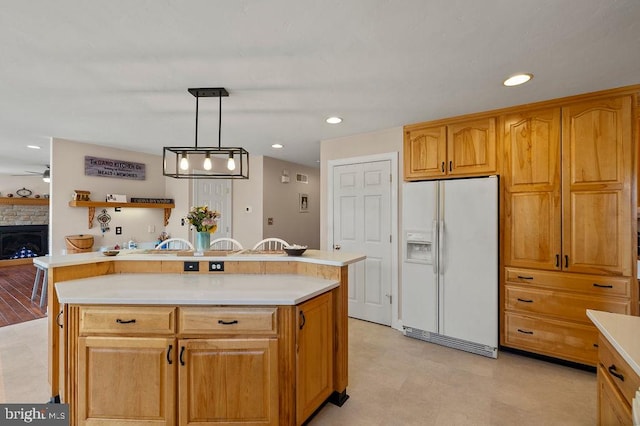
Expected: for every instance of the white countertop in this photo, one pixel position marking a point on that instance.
(331, 258)
(623, 332)
(196, 289)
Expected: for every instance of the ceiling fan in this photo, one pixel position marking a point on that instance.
(46, 175)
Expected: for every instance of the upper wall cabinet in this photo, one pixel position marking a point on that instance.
(464, 148)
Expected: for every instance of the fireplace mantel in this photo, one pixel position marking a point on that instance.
(24, 201)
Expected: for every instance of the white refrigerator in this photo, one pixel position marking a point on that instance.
(450, 263)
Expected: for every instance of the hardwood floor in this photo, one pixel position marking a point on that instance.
(16, 284)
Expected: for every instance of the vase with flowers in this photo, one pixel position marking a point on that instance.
(205, 221)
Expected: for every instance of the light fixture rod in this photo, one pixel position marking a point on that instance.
(219, 121)
(197, 97)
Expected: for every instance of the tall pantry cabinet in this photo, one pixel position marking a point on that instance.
(568, 175)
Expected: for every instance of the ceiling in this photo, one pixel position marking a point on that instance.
(116, 72)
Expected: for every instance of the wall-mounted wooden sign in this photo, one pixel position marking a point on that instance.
(106, 167)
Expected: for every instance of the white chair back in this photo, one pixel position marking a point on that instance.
(271, 244)
(175, 244)
(225, 243)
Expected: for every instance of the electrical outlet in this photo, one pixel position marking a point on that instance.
(191, 266)
(216, 266)
(118, 230)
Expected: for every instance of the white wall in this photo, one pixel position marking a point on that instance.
(281, 203)
(10, 184)
(247, 226)
(67, 174)
(181, 192)
(380, 142)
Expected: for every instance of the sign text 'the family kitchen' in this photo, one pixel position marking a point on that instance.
(106, 167)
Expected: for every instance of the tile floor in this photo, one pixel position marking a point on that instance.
(393, 380)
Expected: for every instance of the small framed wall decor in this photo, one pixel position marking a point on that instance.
(116, 198)
(303, 203)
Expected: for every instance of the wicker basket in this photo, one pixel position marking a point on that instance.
(79, 243)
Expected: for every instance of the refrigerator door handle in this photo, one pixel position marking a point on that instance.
(434, 246)
(441, 242)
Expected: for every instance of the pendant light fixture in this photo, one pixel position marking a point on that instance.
(194, 162)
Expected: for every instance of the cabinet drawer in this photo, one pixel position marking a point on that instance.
(127, 320)
(223, 320)
(560, 304)
(602, 285)
(570, 341)
(617, 369)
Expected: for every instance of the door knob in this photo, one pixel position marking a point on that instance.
(336, 247)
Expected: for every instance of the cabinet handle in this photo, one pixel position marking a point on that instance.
(169, 355)
(303, 320)
(525, 300)
(443, 167)
(58, 319)
(522, 277)
(131, 321)
(566, 261)
(612, 369)
(450, 166)
(602, 285)
(595, 345)
(557, 260)
(524, 331)
(181, 354)
(227, 322)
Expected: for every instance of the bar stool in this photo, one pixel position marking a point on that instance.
(40, 270)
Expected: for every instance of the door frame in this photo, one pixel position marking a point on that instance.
(393, 158)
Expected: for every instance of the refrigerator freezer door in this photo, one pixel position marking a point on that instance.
(469, 263)
(419, 302)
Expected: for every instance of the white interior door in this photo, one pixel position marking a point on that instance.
(216, 193)
(362, 224)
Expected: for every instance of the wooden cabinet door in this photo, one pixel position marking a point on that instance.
(532, 210)
(130, 378)
(597, 178)
(612, 408)
(314, 355)
(471, 147)
(228, 381)
(425, 152)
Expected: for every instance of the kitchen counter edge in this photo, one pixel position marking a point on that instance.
(622, 332)
(310, 256)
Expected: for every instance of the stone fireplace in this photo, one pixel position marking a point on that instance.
(23, 226)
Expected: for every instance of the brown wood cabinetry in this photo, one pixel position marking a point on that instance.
(617, 385)
(228, 381)
(125, 378)
(568, 174)
(315, 346)
(199, 364)
(458, 148)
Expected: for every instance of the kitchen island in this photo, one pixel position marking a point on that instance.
(284, 292)
(618, 366)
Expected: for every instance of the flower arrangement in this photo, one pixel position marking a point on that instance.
(203, 219)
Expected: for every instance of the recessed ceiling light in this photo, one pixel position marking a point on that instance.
(277, 145)
(33, 146)
(517, 79)
(334, 120)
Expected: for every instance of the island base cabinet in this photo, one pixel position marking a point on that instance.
(228, 381)
(314, 355)
(613, 410)
(128, 378)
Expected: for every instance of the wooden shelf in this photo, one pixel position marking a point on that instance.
(24, 201)
(91, 206)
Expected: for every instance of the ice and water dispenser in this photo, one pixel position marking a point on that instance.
(418, 247)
